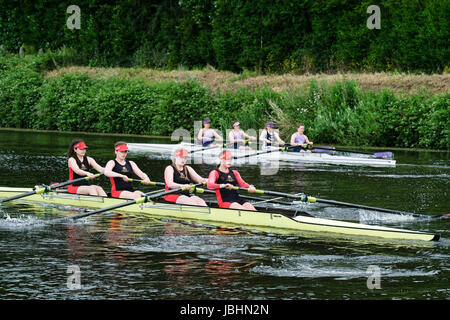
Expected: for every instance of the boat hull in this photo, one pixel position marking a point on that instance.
(263, 221)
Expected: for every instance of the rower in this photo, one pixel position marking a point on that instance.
(79, 165)
(207, 135)
(268, 137)
(300, 141)
(224, 179)
(179, 175)
(120, 170)
(236, 137)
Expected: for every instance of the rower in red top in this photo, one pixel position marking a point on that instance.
(224, 179)
(79, 165)
(179, 175)
(120, 170)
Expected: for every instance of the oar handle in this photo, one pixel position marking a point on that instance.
(156, 183)
(152, 183)
(63, 184)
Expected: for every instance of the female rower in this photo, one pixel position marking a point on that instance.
(236, 137)
(79, 165)
(223, 180)
(268, 137)
(207, 135)
(179, 175)
(299, 140)
(120, 170)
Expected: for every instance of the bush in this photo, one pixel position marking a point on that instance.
(19, 92)
(338, 112)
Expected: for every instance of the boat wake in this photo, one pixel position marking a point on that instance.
(217, 245)
(21, 222)
(372, 217)
(342, 267)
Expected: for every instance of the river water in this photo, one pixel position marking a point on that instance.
(121, 257)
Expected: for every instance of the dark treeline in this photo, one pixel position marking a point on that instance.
(259, 35)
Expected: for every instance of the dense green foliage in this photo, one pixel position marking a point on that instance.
(258, 35)
(338, 112)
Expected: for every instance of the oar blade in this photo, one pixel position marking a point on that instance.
(384, 155)
(323, 150)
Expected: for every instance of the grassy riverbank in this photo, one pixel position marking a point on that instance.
(46, 91)
(215, 80)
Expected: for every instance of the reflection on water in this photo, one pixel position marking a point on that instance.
(132, 257)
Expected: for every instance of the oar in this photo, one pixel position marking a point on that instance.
(383, 154)
(200, 190)
(403, 213)
(204, 149)
(300, 196)
(156, 183)
(304, 198)
(48, 188)
(260, 152)
(145, 198)
(152, 183)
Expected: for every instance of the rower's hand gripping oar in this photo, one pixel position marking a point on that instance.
(145, 198)
(45, 189)
(152, 183)
(192, 189)
(300, 196)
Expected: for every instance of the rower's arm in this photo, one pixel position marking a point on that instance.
(200, 135)
(74, 166)
(293, 140)
(212, 179)
(263, 135)
(195, 176)
(168, 178)
(247, 136)
(277, 137)
(109, 173)
(95, 165)
(240, 181)
(139, 172)
(218, 136)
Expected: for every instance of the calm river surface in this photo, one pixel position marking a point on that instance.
(142, 258)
